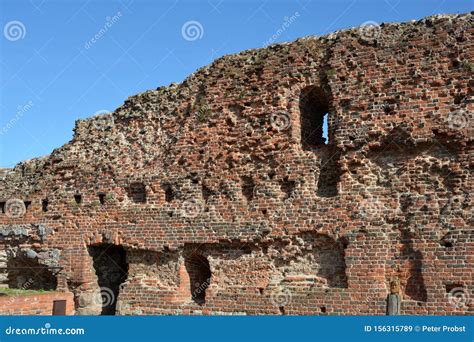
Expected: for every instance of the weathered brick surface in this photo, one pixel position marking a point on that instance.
(35, 304)
(228, 168)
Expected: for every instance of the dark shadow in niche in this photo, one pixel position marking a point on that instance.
(169, 192)
(248, 187)
(415, 284)
(78, 198)
(329, 173)
(137, 192)
(314, 106)
(287, 187)
(111, 268)
(28, 274)
(200, 275)
(206, 193)
(44, 205)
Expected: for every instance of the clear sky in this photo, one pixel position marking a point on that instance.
(53, 71)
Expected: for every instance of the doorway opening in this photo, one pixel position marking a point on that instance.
(200, 275)
(111, 268)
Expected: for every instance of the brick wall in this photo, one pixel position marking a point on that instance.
(229, 169)
(35, 304)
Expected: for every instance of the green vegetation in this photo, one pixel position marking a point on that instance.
(95, 203)
(331, 72)
(20, 292)
(468, 65)
(203, 113)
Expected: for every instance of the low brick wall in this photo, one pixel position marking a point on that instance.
(34, 304)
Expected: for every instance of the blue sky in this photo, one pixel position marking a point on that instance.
(52, 73)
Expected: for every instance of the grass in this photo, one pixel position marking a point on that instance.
(331, 72)
(20, 292)
(203, 113)
(468, 66)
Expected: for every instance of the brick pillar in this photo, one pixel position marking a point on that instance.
(183, 292)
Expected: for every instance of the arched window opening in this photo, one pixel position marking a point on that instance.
(200, 274)
(314, 109)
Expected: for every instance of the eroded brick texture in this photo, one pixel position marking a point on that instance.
(220, 195)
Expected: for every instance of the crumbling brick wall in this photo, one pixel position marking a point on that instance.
(35, 304)
(227, 199)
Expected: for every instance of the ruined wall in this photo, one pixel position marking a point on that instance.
(35, 304)
(224, 197)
